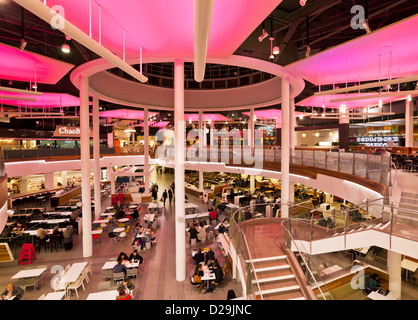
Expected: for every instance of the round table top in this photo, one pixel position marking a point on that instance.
(118, 229)
(123, 220)
(133, 207)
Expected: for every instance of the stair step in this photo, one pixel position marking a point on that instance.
(267, 259)
(276, 290)
(279, 278)
(285, 266)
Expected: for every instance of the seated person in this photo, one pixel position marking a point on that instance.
(12, 291)
(198, 257)
(136, 256)
(19, 228)
(209, 255)
(213, 215)
(219, 277)
(193, 232)
(197, 276)
(373, 282)
(123, 257)
(221, 228)
(41, 233)
(201, 234)
(119, 267)
(123, 295)
(126, 285)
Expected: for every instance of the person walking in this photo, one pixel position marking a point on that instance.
(170, 195)
(165, 195)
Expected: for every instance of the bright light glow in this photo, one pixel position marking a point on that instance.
(331, 134)
(316, 134)
(303, 135)
(65, 48)
(276, 50)
(302, 2)
(409, 98)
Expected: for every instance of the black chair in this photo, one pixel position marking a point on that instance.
(56, 242)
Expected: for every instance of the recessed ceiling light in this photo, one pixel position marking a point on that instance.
(65, 48)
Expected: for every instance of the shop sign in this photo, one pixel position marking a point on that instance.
(381, 141)
(66, 131)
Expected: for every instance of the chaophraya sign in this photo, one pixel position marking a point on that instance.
(67, 131)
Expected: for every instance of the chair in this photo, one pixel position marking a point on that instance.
(88, 267)
(122, 235)
(57, 286)
(67, 267)
(103, 286)
(84, 275)
(118, 276)
(75, 285)
(112, 236)
(42, 297)
(28, 282)
(107, 274)
(199, 285)
(132, 272)
(27, 254)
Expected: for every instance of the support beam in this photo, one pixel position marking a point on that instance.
(179, 139)
(85, 166)
(409, 123)
(96, 158)
(202, 20)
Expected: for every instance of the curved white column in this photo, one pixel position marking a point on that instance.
(96, 158)
(146, 151)
(179, 169)
(285, 147)
(85, 166)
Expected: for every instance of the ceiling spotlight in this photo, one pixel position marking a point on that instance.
(271, 57)
(367, 27)
(65, 48)
(308, 51)
(264, 35)
(316, 134)
(303, 2)
(34, 86)
(23, 44)
(409, 98)
(276, 50)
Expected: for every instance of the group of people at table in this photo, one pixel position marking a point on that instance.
(125, 288)
(207, 269)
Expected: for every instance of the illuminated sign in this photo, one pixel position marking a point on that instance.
(66, 131)
(378, 141)
(380, 131)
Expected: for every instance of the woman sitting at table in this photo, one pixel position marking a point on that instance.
(68, 238)
(197, 276)
(12, 291)
(221, 228)
(136, 256)
(209, 256)
(119, 210)
(123, 257)
(201, 234)
(123, 295)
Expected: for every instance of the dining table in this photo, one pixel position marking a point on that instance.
(73, 273)
(103, 295)
(111, 264)
(207, 276)
(55, 295)
(29, 273)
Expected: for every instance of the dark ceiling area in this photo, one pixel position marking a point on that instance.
(321, 24)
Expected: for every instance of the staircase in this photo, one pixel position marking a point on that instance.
(276, 279)
(408, 201)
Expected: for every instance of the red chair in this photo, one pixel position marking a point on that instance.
(27, 254)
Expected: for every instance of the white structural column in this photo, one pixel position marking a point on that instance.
(49, 180)
(179, 140)
(110, 135)
(251, 133)
(252, 184)
(285, 148)
(292, 142)
(96, 158)
(85, 166)
(64, 178)
(394, 270)
(146, 151)
(201, 180)
(201, 133)
(409, 123)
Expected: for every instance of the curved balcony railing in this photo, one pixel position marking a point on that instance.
(370, 170)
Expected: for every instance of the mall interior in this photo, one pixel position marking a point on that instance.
(288, 127)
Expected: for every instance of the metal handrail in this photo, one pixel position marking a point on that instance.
(301, 255)
(248, 250)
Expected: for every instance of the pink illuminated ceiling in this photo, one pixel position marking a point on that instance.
(205, 116)
(48, 100)
(270, 114)
(21, 65)
(165, 28)
(319, 101)
(390, 52)
(125, 114)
